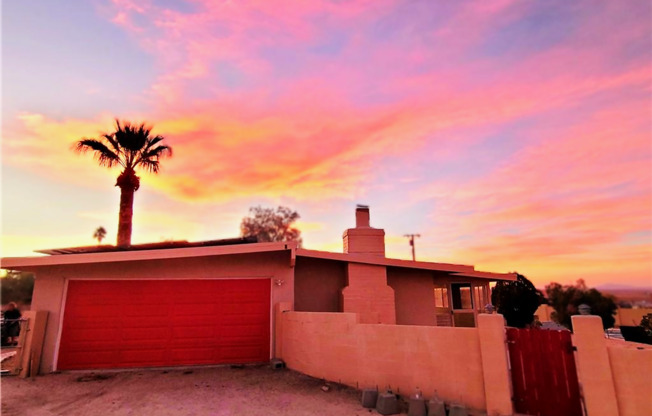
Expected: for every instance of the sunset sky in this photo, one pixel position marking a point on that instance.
(512, 135)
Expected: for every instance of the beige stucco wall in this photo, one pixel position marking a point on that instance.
(631, 367)
(593, 368)
(624, 316)
(631, 316)
(318, 284)
(334, 346)
(51, 281)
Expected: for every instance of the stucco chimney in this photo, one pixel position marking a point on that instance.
(363, 239)
(367, 293)
(361, 216)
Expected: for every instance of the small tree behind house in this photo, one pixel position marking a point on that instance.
(566, 300)
(269, 224)
(517, 301)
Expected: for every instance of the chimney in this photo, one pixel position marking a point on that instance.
(361, 216)
(363, 239)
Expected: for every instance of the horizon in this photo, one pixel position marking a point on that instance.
(511, 136)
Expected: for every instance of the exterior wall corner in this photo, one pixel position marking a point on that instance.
(495, 366)
(594, 368)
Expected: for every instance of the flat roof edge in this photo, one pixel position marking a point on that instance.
(384, 261)
(487, 275)
(142, 255)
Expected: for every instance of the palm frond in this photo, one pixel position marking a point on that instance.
(150, 165)
(130, 145)
(152, 152)
(130, 137)
(114, 143)
(104, 155)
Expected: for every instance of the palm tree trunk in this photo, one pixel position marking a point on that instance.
(128, 183)
(125, 216)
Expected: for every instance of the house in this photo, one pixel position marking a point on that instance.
(173, 304)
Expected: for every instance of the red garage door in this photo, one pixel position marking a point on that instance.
(151, 323)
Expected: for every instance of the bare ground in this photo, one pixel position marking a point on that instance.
(218, 391)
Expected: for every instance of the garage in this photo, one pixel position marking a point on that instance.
(159, 323)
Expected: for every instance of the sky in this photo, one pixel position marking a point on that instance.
(512, 135)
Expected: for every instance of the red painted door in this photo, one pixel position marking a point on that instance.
(154, 323)
(544, 376)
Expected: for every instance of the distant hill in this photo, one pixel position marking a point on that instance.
(635, 295)
(620, 287)
(632, 294)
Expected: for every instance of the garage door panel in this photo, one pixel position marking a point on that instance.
(240, 353)
(246, 308)
(181, 356)
(194, 309)
(83, 321)
(77, 335)
(77, 360)
(153, 310)
(195, 333)
(95, 311)
(141, 323)
(234, 299)
(145, 334)
(203, 320)
(184, 298)
(237, 320)
(244, 330)
(141, 357)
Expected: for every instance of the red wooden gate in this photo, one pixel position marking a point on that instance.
(544, 376)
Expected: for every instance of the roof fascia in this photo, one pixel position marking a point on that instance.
(384, 261)
(142, 255)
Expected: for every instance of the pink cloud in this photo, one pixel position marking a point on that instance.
(320, 126)
(577, 197)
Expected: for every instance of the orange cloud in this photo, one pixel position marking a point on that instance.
(575, 203)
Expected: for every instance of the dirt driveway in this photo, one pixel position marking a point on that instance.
(198, 391)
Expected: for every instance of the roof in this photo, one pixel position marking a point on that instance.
(148, 246)
(184, 249)
(455, 269)
(140, 255)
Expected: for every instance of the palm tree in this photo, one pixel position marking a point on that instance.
(99, 234)
(131, 147)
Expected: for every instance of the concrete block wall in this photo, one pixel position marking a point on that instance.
(451, 361)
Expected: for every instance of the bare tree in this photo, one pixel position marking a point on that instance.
(269, 224)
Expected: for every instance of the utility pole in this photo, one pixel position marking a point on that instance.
(411, 237)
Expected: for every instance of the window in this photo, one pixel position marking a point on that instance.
(462, 298)
(441, 297)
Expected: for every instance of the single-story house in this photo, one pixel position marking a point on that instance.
(180, 303)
